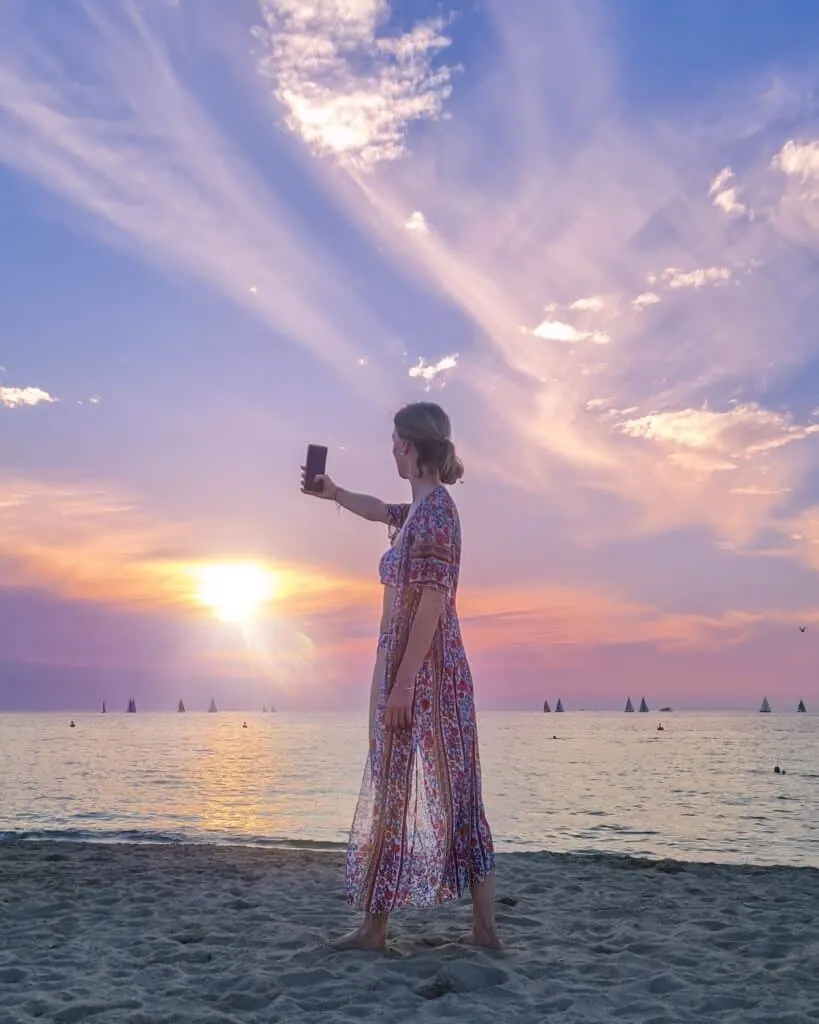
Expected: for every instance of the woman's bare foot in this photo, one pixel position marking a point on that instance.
(482, 939)
(361, 938)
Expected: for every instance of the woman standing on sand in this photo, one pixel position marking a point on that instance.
(420, 835)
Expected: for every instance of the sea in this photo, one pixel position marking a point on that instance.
(704, 788)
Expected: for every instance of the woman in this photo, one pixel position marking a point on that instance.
(419, 835)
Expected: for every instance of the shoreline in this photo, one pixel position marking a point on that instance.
(666, 865)
(124, 933)
(151, 840)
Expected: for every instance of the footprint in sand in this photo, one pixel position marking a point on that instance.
(462, 977)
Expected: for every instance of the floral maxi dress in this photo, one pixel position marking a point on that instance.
(419, 835)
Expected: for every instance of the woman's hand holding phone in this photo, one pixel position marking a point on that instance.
(325, 486)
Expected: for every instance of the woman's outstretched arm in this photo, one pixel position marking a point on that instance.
(364, 505)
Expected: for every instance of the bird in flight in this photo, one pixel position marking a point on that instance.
(802, 629)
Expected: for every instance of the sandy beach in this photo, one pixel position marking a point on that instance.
(190, 934)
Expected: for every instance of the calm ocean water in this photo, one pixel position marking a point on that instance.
(703, 789)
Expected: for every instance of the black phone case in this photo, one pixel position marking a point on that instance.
(315, 465)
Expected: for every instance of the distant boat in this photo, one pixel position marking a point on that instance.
(666, 709)
(559, 705)
(546, 707)
(643, 705)
(766, 707)
(180, 707)
(660, 727)
(264, 707)
(212, 707)
(103, 708)
(272, 709)
(801, 707)
(132, 706)
(629, 705)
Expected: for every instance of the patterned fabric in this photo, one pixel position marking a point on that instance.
(420, 835)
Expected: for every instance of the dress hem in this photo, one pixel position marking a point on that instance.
(405, 904)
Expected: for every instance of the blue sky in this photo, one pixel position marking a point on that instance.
(588, 229)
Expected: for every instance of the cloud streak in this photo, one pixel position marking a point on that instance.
(137, 151)
(701, 335)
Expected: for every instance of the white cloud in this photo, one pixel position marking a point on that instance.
(646, 299)
(760, 492)
(417, 222)
(592, 304)
(698, 278)
(348, 90)
(798, 160)
(556, 330)
(428, 371)
(726, 199)
(716, 185)
(728, 202)
(738, 433)
(15, 398)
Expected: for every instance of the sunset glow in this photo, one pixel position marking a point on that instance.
(245, 255)
(235, 592)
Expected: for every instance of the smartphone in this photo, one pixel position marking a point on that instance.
(315, 465)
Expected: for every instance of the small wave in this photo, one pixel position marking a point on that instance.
(623, 830)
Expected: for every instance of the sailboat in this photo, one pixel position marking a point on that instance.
(212, 707)
(643, 705)
(273, 709)
(629, 705)
(104, 710)
(766, 707)
(180, 707)
(801, 707)
(546, 706)
(264, 707)
(559, 705)
(132, 706)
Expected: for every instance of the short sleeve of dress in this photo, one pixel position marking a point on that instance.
(396, 516)
(433, 548)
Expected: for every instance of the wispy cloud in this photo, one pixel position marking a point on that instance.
(697, 278)
(799, 160)
(737, 433)
(591, 304)
(645, 299)
(136, 149)
(726, 199)
(15, 398)
(349, 89)
(429, 371)
(557, 330)
(417, 222)
(556, 230)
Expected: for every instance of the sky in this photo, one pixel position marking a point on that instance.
(590, 230)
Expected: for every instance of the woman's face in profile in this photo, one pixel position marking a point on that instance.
(400, 452)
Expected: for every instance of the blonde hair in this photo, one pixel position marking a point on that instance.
(426, 427)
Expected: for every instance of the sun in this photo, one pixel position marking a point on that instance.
(234, 591)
